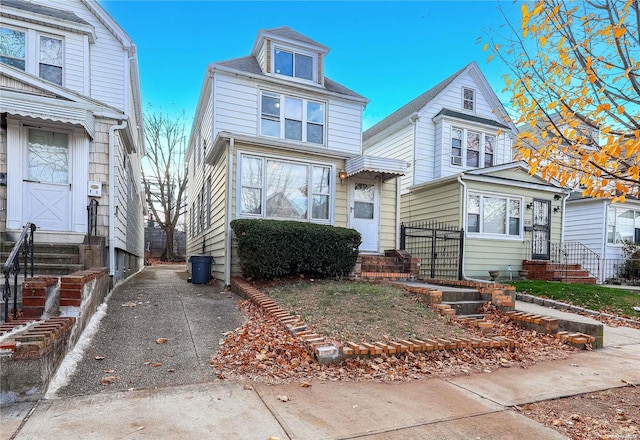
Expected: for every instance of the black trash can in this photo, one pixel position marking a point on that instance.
(200, 268)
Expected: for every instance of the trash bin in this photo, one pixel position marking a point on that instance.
(201, 268)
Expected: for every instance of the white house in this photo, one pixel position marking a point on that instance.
(457, 138)
(71, 128)
(274, 138)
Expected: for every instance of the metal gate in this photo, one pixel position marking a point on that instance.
(438, 245)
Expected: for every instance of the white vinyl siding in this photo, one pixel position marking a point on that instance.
(398, 145)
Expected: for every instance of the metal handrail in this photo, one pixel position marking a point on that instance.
(12, 265)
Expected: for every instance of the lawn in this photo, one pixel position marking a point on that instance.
(361, 312)
(593, 297)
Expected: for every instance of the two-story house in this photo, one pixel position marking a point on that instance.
(274, 138)
(71, 129)
(457, 139)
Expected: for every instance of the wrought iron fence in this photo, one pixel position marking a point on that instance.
(438, 245)
(22, 248)
(627, 270)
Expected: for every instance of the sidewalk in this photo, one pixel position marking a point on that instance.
(192, 404)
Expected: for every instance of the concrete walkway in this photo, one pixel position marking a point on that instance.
(477, 406)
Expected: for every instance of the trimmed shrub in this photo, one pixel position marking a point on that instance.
(277, 248)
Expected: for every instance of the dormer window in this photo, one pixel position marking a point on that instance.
(468, 99)
(293, 64)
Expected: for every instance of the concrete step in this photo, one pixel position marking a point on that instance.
(465, 307)
(44, 248)
(48, 258)
(460, 295)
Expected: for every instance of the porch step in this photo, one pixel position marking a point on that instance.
(460, 295)
(465, 308)
(566, 273)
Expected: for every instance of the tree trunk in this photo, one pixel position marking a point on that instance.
(168, 254)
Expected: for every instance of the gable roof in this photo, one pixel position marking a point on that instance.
(471, 118)
(290, 34)
(249, 64)
(412, 106)
(43, 10)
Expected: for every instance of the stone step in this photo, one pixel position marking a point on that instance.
(465, 307)
(460, 295)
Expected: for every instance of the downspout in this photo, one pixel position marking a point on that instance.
(464, 209)
(112, 196)
(413, 119)
(227, 263)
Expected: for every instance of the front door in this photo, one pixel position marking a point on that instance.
(46, 181)
(541, 229)
(365, 212)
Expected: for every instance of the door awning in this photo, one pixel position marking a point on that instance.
(49, 111)
(384, 167)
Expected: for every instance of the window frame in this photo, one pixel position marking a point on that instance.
(498, 236)
(294, 52)
(310, 165)
(282, 117)
(471, 100)
(32, 45)
(25, 48)
(464, 147)
(613, 212)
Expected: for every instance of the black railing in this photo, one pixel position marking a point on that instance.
(571, 252)
(625, 271)
(92, 219)
(23, 248)
(439, 247)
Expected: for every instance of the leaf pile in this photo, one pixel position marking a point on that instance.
(610, 414)
(262, 350)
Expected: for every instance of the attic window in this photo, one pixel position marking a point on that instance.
(293, 64)
(468, 99)
(13, 48)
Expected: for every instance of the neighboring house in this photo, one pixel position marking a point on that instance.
(457, 139)
(71, 128)
(274, 138)
(603, 227)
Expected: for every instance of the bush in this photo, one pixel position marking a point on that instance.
(276, 248)
(630, 269)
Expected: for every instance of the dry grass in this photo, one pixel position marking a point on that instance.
(361, 312)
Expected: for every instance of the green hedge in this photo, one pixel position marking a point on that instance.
(276, 248)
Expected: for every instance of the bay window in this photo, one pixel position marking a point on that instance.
(494, 215)
(303, 119)
(279, 189)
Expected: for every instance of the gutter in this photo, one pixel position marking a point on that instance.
(227, 257)
(112, 196)
(413, 119)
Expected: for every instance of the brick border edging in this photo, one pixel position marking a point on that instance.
(546, 302)
(329, 351)
(38, 339)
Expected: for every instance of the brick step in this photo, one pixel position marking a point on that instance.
(576, 280)
(395, 268)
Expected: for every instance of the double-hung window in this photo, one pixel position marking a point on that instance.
(293, 64)
(13, 45)
(468, 99)
(292, 118)
(281, 189)
(472, 148)
(494, 215)
(16, 44)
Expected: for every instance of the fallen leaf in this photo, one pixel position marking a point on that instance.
(283, 398)
(171, 370)
(98, 357)
(157, 364)
(161, 341)
(109, 371)
(106, 380)
(247, 387)
(129, 304)
(305, 384)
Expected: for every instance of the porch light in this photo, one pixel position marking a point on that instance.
(342, 175)
(556, 209)
(529, 205)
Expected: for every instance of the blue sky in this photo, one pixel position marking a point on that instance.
(389, 52)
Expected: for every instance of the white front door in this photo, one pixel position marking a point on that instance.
(365, 212)
(46, 187)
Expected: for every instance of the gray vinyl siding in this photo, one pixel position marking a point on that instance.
(586, 223)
